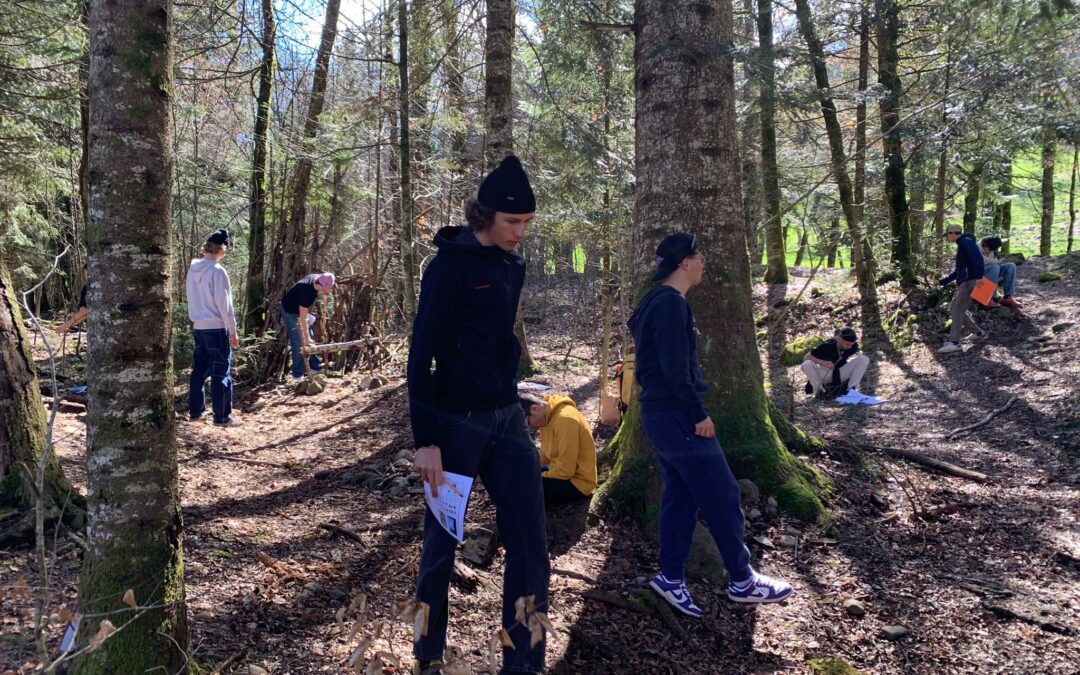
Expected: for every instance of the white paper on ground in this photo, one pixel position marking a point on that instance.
(532, 386)
(857, 398)
(449, 507)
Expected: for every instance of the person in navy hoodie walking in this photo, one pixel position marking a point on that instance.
(967, 272)
(465, 415)
(696, 474)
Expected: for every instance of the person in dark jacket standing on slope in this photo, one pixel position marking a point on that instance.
(969, 269)
(696, 474)
(465, 415)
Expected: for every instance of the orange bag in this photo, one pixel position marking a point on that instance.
(983, 292)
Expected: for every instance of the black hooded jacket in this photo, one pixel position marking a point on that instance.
(666, 358)
(465, 322)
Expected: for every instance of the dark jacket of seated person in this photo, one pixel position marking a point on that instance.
(566, 449)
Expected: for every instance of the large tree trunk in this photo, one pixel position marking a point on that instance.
(687, 166)
(408, 264)
(1048, 161)
(22, 417)
(255, 317)
(864, 257)
(888, 16)
(135, 533)
(776, 272)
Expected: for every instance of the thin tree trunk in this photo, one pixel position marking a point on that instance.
(1072, 200)
(864, 257)
(135, 534)
(895, 190)
(498, 82)
(255, 316)
(408, 264)
(971, 197)
(687, 166)
(1048, 160)
(293, 254)
(860, 141)
(776, 272)
(804, 242)
(834, 238)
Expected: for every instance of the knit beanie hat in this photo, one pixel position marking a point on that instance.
(220, 237)
(507, 188)
(847, 334)
(326, 280)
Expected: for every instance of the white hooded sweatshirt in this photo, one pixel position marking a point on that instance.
(209, 296)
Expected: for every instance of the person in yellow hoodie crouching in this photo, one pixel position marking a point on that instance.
(567, 451)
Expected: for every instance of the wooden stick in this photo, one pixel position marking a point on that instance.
(339, 346)
(989, 416)
(938, 464)
(337, 529)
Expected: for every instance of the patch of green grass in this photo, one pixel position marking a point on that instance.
(828, 665)
(1049, 276)
(219, 553)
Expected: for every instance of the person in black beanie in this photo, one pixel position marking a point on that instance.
(465, 415)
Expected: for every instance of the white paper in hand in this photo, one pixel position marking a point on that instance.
(449, 507)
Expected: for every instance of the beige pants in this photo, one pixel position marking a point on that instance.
(851, 372)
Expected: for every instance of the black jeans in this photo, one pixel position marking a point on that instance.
(558, 491)
(494, 445)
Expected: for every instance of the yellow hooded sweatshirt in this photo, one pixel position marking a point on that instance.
(566, 445)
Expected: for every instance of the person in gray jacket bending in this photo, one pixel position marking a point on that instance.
(210, 308)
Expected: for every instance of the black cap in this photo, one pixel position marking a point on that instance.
(219, 237)
(507, 188)
(847, 334)
(674, 249)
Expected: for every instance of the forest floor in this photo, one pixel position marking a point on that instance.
(984, 577)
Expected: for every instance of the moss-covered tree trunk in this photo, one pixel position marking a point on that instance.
(776, 272)
(22, 418)
(135, 532)
(255, 310)
(687, 166)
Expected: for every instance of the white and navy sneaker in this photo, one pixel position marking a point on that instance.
(950, 347)
(759, 588)
(676, 594)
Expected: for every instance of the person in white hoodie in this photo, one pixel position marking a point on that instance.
(210, 308)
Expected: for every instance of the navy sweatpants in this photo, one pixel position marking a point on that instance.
(696, 477)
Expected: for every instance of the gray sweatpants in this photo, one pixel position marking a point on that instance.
(958, 311)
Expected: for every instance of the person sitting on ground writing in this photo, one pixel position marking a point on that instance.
(466, 416)
(835, 365)
(294, 309)
(1001, 273)
(210, 308)
(967, 272)
(567, 450)
(696, 474)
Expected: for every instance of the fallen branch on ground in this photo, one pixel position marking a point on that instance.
(917, 458)
(646, 604)
(989, 416)
(337, 529)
